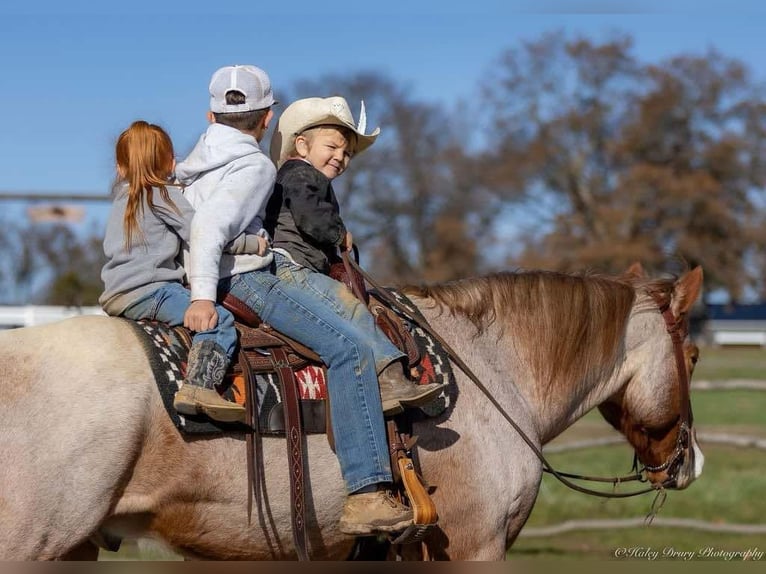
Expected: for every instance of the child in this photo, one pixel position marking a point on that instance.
(229, 181)
(314, 142)
(148, 223)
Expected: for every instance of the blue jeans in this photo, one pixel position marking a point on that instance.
(357, 414)
(168, 305)
(344, 302)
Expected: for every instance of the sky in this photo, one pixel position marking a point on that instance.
(74, 74)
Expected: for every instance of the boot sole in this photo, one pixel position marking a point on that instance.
(392, 407)
(220, 414)
(224, 414)
(354, 529)
(422, 399)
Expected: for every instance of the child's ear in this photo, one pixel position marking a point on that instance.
(267, 119)
(302, 146)
(210, 117)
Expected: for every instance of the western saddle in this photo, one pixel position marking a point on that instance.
(265, 350)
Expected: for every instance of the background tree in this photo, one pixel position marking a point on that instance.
(50, 264)
(657, 163)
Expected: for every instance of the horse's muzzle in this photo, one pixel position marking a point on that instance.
(691, 467)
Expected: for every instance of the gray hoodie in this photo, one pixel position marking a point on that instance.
(153, 259)
(228, 181)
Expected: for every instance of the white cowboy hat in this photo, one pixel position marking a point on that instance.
(312, 112)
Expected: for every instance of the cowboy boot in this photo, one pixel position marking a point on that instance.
(369, 513)
(206, 369)
(398, 393)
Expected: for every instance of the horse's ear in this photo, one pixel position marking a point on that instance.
(635, 271)
(686, 290)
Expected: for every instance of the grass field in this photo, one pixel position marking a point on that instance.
(717, 364)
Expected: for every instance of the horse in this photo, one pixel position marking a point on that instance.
(87, 449)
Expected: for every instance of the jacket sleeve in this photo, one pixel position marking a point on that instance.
(178, 222)
(238, 198)
(314, 215)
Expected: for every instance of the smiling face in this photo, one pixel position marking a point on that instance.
(328, 149)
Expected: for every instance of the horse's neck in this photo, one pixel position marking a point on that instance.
(496, 358)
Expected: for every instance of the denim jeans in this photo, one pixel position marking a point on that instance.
(357, 414)
(168, 305)
(344, 302)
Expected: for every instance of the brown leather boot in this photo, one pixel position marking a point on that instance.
(376, 512)
(194, 400)
(205, 370)
(398, 393)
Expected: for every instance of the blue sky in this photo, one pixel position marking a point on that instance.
(73, 75)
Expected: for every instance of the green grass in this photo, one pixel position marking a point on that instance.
(730, 490)
(727, 408)
(722, 363)
(603, 544)
(712, 408)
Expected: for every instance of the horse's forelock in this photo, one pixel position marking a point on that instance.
(566, 326)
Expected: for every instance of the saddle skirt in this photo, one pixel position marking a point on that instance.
(167, 348)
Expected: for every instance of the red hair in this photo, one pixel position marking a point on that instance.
(145, 157)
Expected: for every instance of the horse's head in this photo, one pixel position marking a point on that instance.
(653, 409)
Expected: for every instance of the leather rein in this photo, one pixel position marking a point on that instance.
(677, 333)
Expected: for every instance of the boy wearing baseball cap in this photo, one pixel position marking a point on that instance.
(314, 142)
(228, 181)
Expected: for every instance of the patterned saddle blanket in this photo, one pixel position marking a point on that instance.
(167, 348)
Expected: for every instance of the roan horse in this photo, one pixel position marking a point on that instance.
(86, 447)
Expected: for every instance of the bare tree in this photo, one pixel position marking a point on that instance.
(658, 163)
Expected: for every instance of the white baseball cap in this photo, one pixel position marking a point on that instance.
(251, 81)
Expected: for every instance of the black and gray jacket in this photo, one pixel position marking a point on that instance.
(303, 216)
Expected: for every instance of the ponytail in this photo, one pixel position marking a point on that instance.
(144, 157)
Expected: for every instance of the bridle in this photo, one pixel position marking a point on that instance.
(676, 327)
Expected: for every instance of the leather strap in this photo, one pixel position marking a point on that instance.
(252, 439)
(355, 287)
(294, 448)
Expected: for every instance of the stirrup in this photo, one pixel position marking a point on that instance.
(423, 508)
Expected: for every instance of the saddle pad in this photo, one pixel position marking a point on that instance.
(434, 365)
(167, 348)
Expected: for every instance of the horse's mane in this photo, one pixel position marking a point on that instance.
(566, 326)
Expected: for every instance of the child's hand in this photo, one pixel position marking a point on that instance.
(263, 246)
(200, 316)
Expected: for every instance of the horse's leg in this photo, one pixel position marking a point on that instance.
(70, 430)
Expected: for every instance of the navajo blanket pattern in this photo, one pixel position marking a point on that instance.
(434, 365)
(167, 348)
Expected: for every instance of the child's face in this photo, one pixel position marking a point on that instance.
(327, 149)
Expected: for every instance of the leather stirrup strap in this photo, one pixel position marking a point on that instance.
(294, 448)
(252, 438)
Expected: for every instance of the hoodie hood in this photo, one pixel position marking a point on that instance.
(218, 146)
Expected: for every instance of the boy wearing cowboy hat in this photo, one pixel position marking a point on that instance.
(313, 144)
